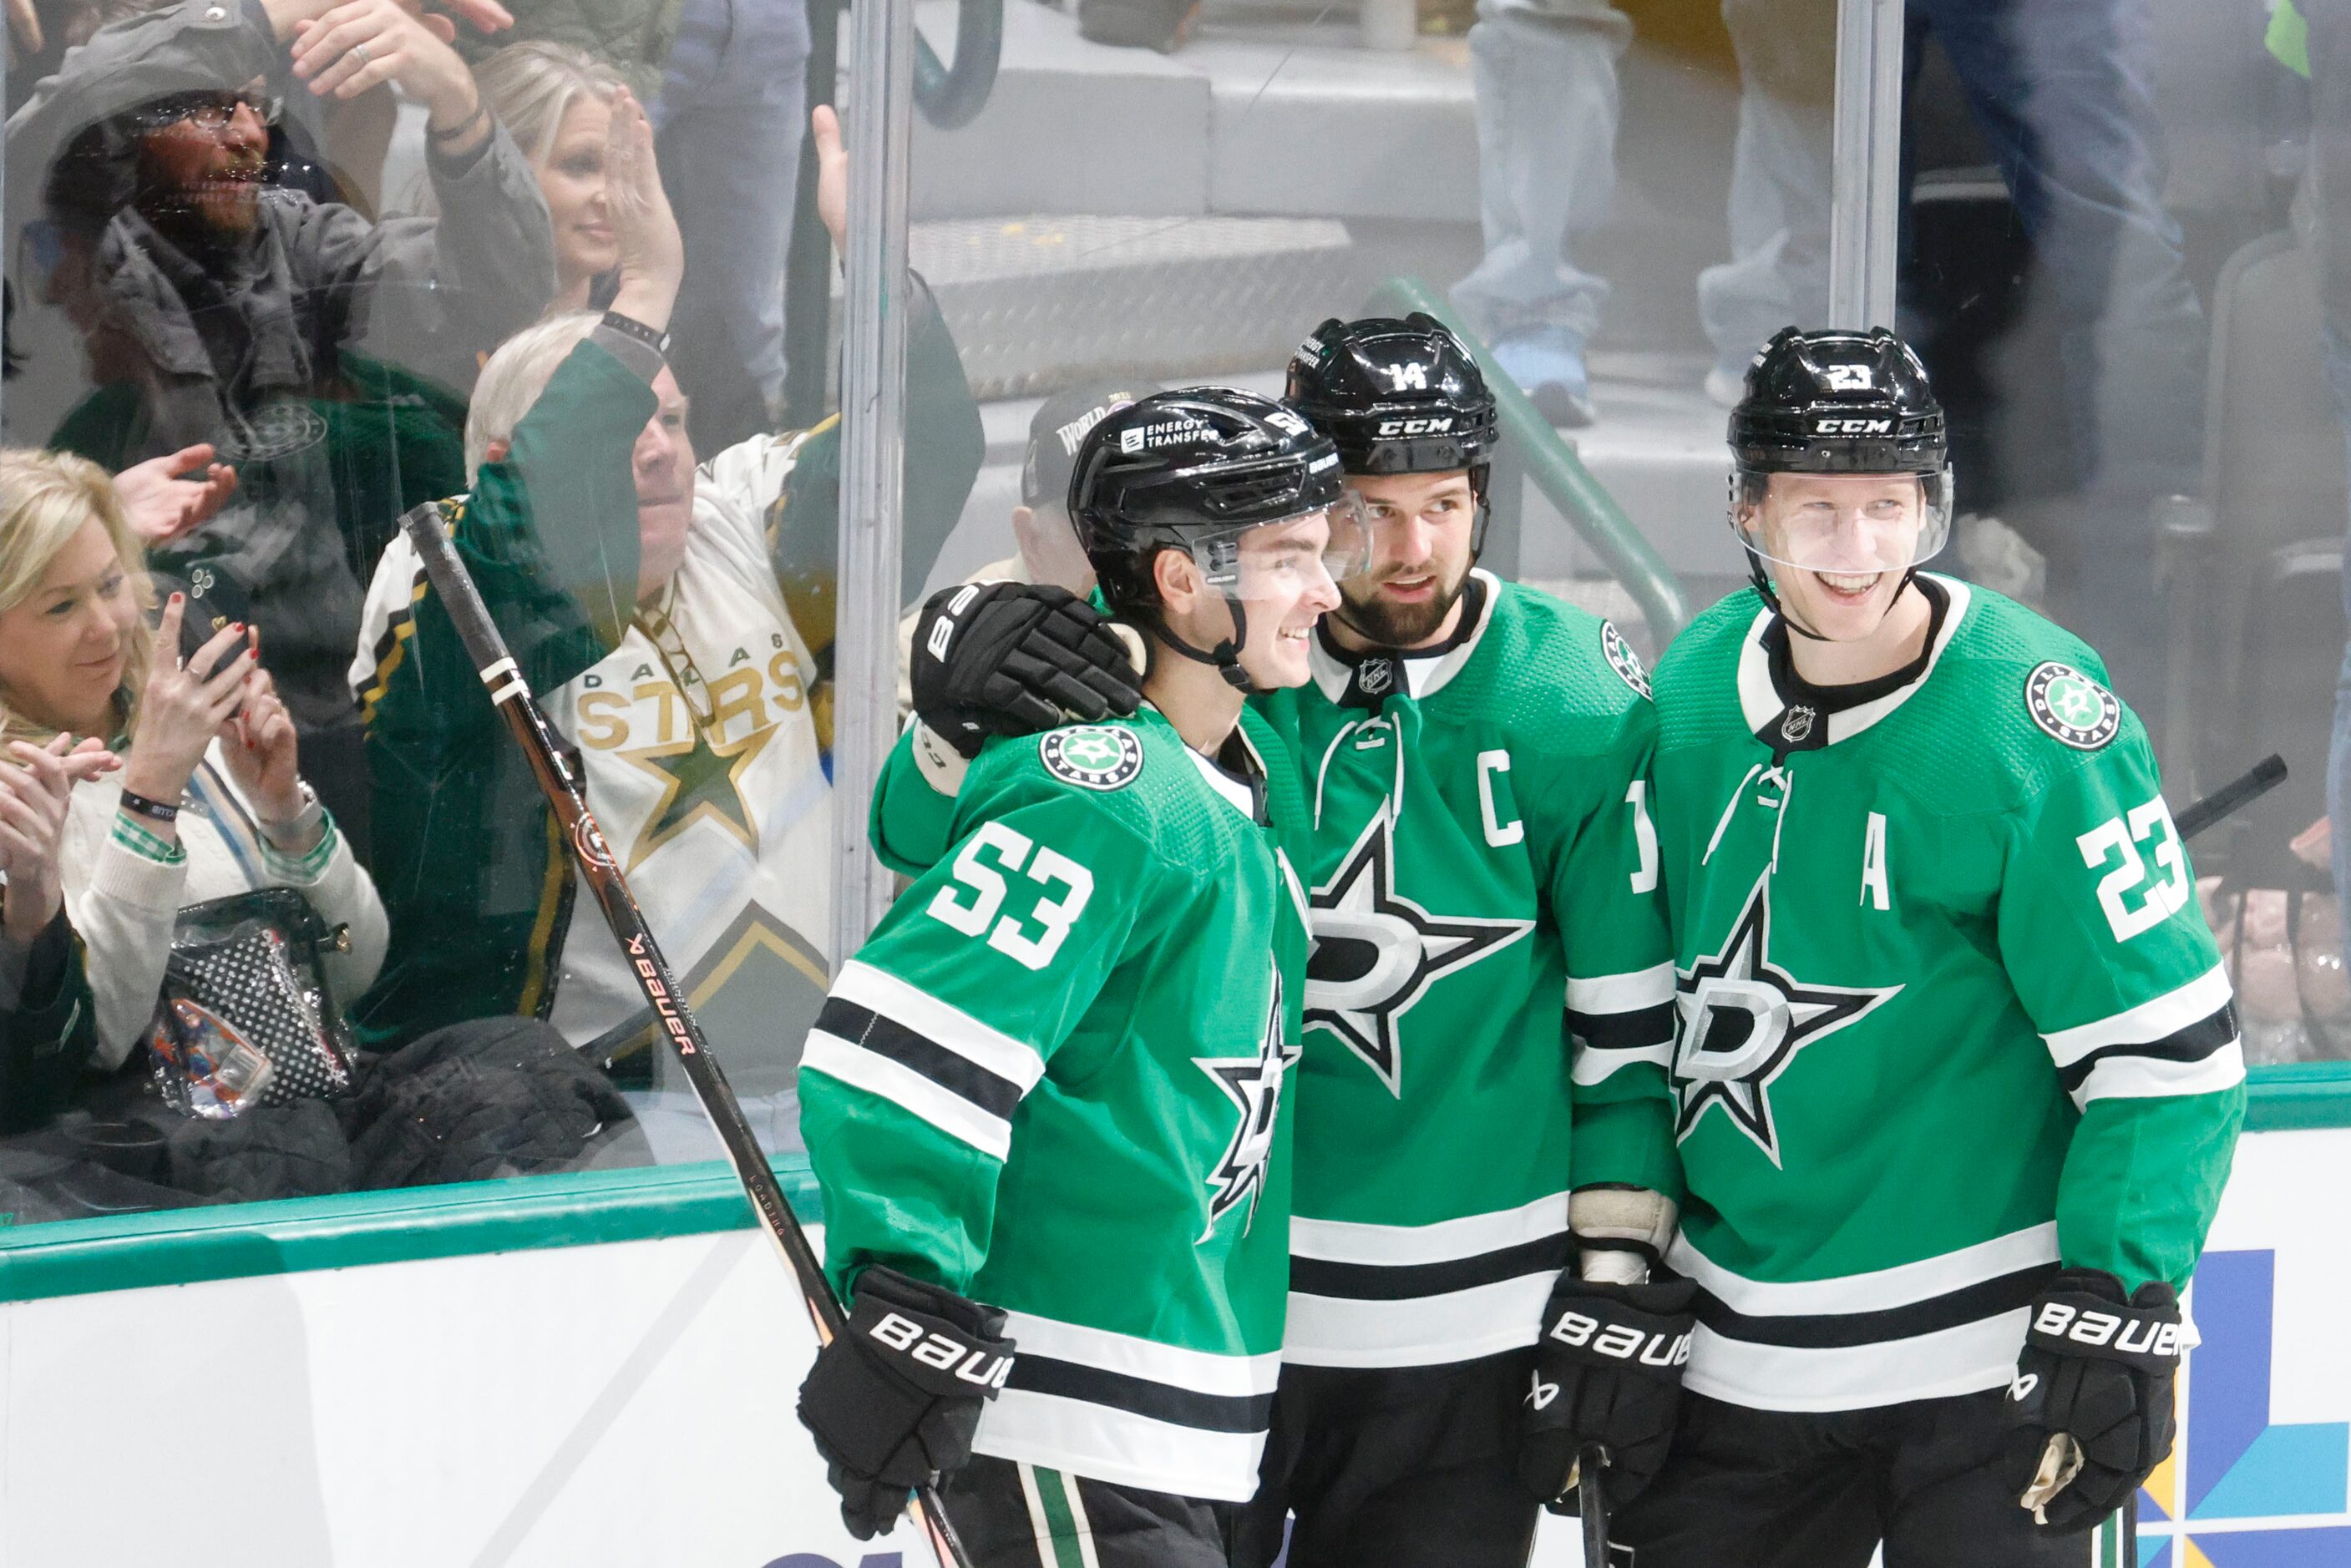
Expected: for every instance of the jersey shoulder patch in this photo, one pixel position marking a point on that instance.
(2070, 706)
(1622, 659)
(1092, 756)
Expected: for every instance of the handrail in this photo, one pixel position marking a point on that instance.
(951, 97)
(1558, 474)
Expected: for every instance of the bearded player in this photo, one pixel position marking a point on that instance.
(1488, 1012)
(1959, 1069)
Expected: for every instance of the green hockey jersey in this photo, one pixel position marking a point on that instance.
(1488, 1007)
(1951, 1013)
(1488, 1015)
(1052, 1080)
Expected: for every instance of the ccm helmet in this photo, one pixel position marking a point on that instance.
(1837, 402)
(1194, 469)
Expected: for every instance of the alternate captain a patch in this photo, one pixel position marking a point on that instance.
(2071, 707)
(1092, 756)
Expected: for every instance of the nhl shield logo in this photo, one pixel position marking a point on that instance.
(1092, 756)
(1375, 676)
(1796, 724)
(1622, 659)
(2071, 707)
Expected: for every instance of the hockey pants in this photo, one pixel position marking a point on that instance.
(1024, 1516)
(1770, 1488)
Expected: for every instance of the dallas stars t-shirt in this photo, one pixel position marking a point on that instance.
(1951, 1013)
(1052, 1080)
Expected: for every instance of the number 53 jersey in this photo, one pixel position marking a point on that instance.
(1951, 1013)
(1053, 1081)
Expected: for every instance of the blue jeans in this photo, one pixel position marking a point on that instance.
(2336, 357)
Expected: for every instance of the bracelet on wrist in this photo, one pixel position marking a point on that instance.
(456, 131)
(630, 327)
(153, 810)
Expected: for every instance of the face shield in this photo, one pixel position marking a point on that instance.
(1842, 524)
(1279, 563)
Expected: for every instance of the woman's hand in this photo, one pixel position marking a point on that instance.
(653, 253)
(832, 177)
(161, 505)
(183, 706)
(363, 44)
(258, 743)
(33, 796)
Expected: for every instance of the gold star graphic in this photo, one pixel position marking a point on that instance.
(701, 782)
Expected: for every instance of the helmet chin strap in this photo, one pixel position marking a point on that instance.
(1225, 657)
(1770, 595)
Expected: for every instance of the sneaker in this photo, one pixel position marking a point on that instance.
(1727, 384)
(1548, 365)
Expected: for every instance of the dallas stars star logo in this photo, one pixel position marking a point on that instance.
(1254, 1085)
(1377, 952)
(702, 781)
(1743, 1021)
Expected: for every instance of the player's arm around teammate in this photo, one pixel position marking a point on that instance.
(1051, 1081)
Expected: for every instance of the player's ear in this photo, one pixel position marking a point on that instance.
(1178, 578)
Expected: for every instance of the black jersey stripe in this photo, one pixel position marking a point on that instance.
(1407, 1282)
(1641, 1028)
(1846, 1331)
(886, 1037)
(1243, 1413)
(2193, 1043)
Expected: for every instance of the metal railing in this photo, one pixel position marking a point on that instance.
(1553, 467)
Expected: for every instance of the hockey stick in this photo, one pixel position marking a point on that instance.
(567, 797)
(1589, 1462)
(2258, 780)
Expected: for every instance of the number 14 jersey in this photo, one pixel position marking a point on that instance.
(1951, 1013)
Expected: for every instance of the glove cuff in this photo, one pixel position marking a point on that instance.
(2085, 1312)
(942, 1344)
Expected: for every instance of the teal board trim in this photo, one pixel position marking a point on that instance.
(184, 1246)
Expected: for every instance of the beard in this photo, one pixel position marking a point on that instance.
(1392, 624)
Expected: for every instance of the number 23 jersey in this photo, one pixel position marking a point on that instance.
(1951, 1013)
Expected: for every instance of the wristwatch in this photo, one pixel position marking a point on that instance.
(299, 828)
(630, 327)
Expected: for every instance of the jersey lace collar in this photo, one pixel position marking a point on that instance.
(1365, 679)
(1236, 774)
(1805, 717)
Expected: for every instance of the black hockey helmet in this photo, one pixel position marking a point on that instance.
(1194, 469)
(1837, 402)
(1397, 397)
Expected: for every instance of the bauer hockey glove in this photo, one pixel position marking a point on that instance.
(893, 1400)
(2089, 1413)
(1013, 658)
(1608, 1370)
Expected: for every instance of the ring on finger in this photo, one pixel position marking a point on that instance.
(361, 51)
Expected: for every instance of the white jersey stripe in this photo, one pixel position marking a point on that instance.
(907, 1089)
(2128, 1077)
(1593, 1064)
(1471, 1236)
(2149, 1021)
(1421, 1331)
(1966, 1359)
(1876, 1290)
(1198, 1371)
(947, 1027)
(1119, 1446)
(1628, 993)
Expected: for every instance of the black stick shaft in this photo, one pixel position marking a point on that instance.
(1592, 1505)
(567, 794)
(2259, 780)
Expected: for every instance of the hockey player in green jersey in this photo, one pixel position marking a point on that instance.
(1051, 1081)
(1959, 1069)
(1488, 1012)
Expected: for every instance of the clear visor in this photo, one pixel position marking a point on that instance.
(1291, 558)
(1842, 524)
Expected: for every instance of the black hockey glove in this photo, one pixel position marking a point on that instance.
(894, 1401)
(1013, 658)
(1608, 1370)
(2095, 1378)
